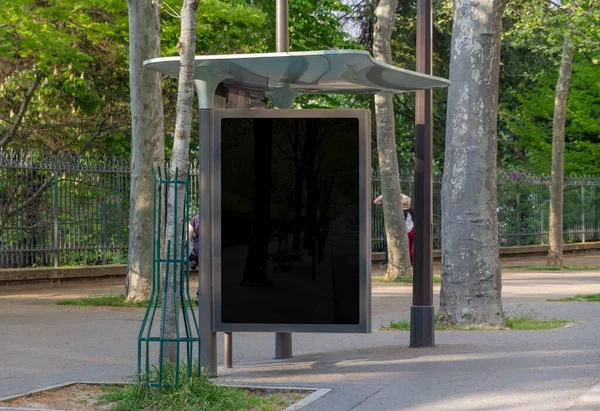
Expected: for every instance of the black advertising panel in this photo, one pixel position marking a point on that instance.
(291, 201)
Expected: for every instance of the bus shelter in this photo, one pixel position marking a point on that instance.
(282, 77)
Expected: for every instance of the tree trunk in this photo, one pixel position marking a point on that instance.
(555, 251)
(176, 227)
(471, 276)
(395, 226)
(147, 142)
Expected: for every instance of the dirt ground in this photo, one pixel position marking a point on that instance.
(84, 397)
(77, 397)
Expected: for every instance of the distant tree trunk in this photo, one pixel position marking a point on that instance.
(471, 276)
(555, 251)
(176, 227)
(147, 142)
(395, 226)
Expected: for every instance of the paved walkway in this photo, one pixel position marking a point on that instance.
(44, 344)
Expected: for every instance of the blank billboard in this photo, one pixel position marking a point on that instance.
(291, 189)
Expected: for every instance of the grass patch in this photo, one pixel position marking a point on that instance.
(108, 301)
(519, 322)
(526, 322)
(406, 280)
(593, 298)
(195, 393)
(552, 268)
(103, 301)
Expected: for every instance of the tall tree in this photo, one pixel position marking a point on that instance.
(176, 227)
(555, 235)
(393, 215)
(564, 21)
(147, 141)
(471, 276)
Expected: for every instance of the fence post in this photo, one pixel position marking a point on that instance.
(118, 218)
(519, 237)
(582, 214)
(56, 218)
(104, 233)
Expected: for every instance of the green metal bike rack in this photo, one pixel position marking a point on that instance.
(175, 262)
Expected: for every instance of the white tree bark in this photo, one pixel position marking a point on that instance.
(147, 142)
(555, 237)
(395, 226)
(176, 226)
(471, 276)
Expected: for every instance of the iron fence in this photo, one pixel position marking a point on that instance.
(62, 210)
(72, 210)
(523, 208)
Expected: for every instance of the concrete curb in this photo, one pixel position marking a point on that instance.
(590, 401)
(308, 400)
(11, 276)
(521, 251)
(316, 393)
(15, 276)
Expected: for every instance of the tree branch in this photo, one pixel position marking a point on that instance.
(12, 131)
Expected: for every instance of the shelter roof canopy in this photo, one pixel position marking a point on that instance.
(327, 71)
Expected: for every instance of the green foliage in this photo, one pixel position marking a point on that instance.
(109, 301)
(222, 27)
(518, 322)
(81, 52)
(313, 24)
(527, 322)
(532, 119)
(82, 104)
(554, 268)
(595, 298)
(532, 46)
(54, 34)
(193, 393)
(103, 301)
(406, 280)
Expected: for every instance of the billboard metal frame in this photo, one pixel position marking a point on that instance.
(364, 324)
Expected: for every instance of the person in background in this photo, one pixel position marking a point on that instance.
(379, 201)
(410, 225)
(409, 219)
(194, 241)
(194, 246)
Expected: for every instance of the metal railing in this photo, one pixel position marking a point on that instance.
(59, 210)
(523, 207)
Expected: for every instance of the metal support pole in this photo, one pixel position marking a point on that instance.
(228, 357)
(208, 338)
(283, 341)
(282, 43)
(283, 345)
(422, 310)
